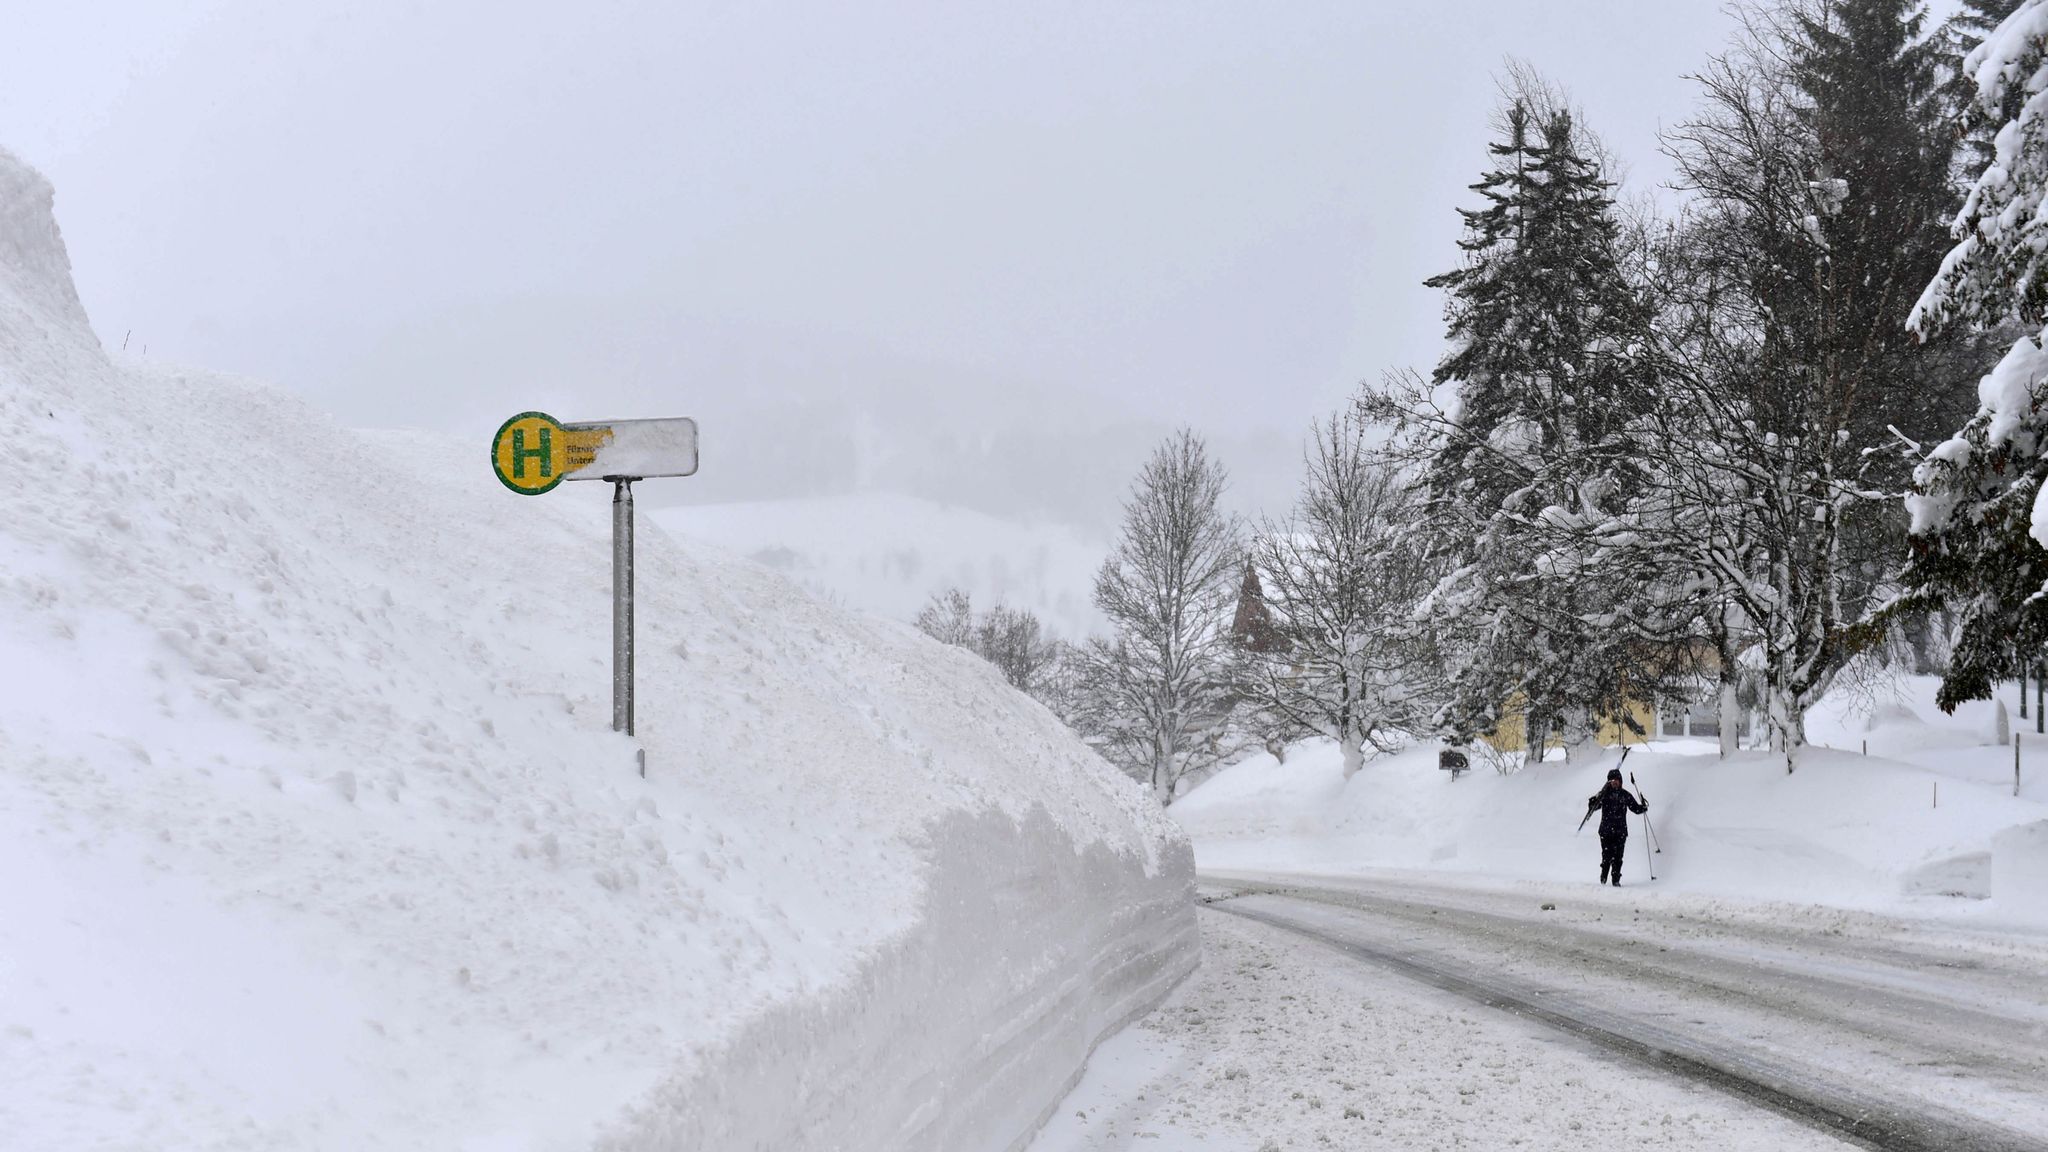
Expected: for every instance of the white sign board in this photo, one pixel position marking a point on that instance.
(639, 449)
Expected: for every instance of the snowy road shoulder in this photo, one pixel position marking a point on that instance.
(1280, 1042)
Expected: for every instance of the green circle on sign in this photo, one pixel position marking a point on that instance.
(511, 457)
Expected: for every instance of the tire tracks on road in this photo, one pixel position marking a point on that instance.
(1861, 1118)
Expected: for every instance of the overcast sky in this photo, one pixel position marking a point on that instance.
(971, 250)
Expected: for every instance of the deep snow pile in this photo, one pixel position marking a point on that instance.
(1850, 829)
(313, 832)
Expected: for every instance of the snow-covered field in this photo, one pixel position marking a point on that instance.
(1927, 821)
(886, 553)
(313, 833)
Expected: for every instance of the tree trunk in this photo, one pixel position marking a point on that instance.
(1581, 734)
(1730, 674)
(1354, 754)
(1788, 725)
(1162, 785)
(1731, 715)
(1535, 737)
(1162, 771)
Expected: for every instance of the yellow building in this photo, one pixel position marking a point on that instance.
(1511, 734)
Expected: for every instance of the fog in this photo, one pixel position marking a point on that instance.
(986, 254)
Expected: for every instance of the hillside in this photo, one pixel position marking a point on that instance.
(886, 553)
(316, 835)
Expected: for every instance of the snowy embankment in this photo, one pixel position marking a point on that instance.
(1926, 822)
(313, 833)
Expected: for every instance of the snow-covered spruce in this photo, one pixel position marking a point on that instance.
(1979, 520)
(315, 834)
(1543, 377)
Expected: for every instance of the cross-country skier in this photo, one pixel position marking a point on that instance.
(1615, 803)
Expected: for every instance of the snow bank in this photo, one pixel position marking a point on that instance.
(315, 835)
(2019, 871)
(1846, 829)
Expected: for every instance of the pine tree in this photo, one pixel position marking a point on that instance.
(1542, 326)
(1882, 150)
(1484, 298)
(1975, 20)
(1979, 524)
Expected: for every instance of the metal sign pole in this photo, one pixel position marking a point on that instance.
(533, 452)
(622, 605)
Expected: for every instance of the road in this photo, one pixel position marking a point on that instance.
(1731, 1025)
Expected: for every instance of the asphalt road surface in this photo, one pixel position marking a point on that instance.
(1880, 1033)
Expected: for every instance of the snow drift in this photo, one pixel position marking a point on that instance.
(314, 834)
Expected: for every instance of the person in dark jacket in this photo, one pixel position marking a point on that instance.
(1614, 803)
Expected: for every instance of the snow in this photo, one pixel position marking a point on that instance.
(887, 553)
(1994, 63)
(1912, 826)
(316, 836)
(640, 448)
(2007, 391)
(2019, 869)
(1284, 1043)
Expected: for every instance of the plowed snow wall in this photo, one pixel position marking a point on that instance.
(965, 1035)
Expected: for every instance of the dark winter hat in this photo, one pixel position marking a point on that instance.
(1614, 773)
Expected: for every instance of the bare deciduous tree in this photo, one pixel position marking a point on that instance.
(1012, 639)
(1343, 576)
(948, 617)
(1158, 693)
(1015, 642)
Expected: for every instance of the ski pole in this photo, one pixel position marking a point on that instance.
(1649, 837)
(1647, 826)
